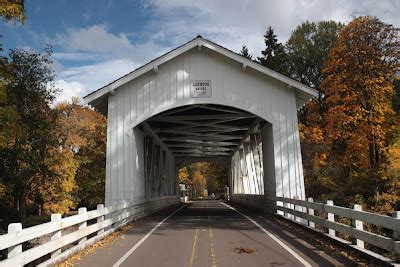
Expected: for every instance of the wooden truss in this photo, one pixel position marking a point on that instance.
(203, 131)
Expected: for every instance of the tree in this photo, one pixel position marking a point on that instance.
(199, 183)
(396, 96)
(30, 94)
(87, 140)
(359, 119)
(245, 52)
(12, 10)
(308, 48)
(273, 56)
(358, 88)
(307, 51)
(9, 11)
(216, 176)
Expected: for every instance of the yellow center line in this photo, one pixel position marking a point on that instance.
(196, 237)
(212, 251)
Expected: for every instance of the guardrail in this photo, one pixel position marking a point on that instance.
(105, 221)
(303, 212)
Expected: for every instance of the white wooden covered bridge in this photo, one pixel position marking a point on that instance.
(199, 102)
(202, 102)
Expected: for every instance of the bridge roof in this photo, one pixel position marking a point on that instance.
(98, 97)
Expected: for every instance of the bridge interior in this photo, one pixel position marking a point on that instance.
(207, 133)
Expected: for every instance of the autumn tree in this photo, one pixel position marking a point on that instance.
(199, 183)
(12, 10)
(216, 176)
(9, 11)
(273, 56)
(88, 138)
(30, 94)
(245, 52)
(358, 89)
(307, 51)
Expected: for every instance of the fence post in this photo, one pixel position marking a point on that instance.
(359, 226)
(285, 205)
(100, 208)
(57, 234)
(294, 208)
(396, 235)
(17, 249)
(82, 211)
(331, 218)
(311, 212)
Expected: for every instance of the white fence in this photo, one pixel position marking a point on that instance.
(105, 220)
(304, 211)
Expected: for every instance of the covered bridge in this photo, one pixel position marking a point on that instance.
(202, 102)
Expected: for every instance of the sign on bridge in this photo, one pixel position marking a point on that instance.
(200, 89)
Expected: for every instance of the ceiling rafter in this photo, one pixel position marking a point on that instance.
(202, 130)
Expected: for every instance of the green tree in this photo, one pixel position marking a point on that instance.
(307, 51)
(308, 48)
(30, 94)
(273, 56)
(245, 52)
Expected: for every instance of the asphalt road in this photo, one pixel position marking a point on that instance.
(210, 233)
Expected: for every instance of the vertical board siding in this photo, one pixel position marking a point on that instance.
(248, 90)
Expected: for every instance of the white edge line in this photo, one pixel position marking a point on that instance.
(276, 239)
(127, 254)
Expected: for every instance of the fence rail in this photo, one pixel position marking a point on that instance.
(304, 212)
(107, 220)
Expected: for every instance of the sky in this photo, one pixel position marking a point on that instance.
(98, 41)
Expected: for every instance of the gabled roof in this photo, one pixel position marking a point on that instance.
(303, 92)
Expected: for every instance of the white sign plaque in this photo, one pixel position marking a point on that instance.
(201, 88)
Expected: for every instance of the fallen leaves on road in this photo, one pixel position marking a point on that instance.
(241, 250)
(99, 244)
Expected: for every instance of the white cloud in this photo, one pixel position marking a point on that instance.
(95, 75)
(69, 90)
(233, 23)
(98, 40)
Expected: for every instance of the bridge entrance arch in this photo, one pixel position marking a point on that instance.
(202, 102)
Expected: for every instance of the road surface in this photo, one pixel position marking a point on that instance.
(210, 233)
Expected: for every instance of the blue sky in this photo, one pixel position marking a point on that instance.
(97, 41)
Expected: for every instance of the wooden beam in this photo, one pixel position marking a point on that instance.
(198, 138)
(210, 107)
(202, 117)
(210, 143)
(255, 123)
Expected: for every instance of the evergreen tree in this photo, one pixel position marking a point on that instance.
(274, 56)
(245, 52)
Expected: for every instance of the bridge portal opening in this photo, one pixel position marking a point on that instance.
(236, 139)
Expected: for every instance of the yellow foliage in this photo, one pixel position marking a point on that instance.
(358, 87)
(12, 10)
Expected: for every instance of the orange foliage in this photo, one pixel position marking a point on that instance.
(358, 87)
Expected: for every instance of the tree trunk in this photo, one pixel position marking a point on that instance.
(371, 154)
(22, 209)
